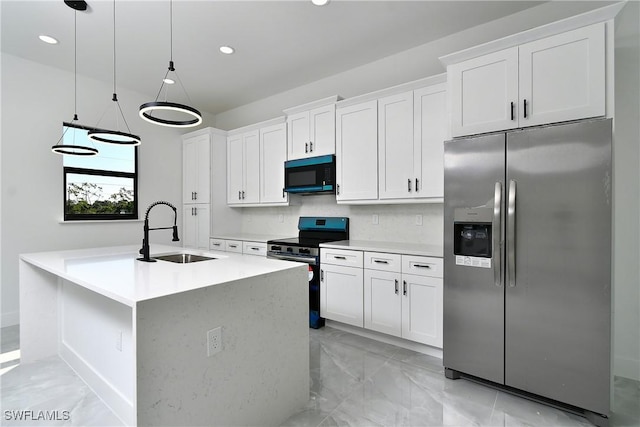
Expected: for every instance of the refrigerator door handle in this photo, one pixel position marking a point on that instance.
(497, 234)
(511, 234)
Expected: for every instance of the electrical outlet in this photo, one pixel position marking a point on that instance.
(418, 219)
(214, 341)
(119, 340)
(374, 219)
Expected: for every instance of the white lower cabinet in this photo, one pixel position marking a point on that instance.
(399, 295)
(195, 230)
(422, 309)
(382, 302)
(341, 292)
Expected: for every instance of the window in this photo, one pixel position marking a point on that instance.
(99, 187)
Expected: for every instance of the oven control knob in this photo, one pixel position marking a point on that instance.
(304, 251)
(289, 249)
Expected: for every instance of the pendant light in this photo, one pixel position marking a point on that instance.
(192, 117)
(73, 149)
(114, 136)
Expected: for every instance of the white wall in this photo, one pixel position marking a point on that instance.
(397, 223)
(35, 102)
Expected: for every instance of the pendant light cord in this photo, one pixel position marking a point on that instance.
(114, 49)
(75, 65)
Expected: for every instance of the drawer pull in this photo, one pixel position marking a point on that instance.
(380, 261)
(422, 266)
(216, 244)
(254, 248)
(233, 246)
(339, 257)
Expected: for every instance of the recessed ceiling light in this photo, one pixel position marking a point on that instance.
(227, 50)
(320, 2)
(168, 81)
(48, 39)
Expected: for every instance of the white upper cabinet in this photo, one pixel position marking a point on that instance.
(273, 153)
(390, 146)
(429, 133)
(553, 79)
(357, 152)
(196, 171)
(243, 167)
(311, 129)
(251, 147)
(255, 164)
(396, 146)
(484, 93)
(235, 169)
(563, 77)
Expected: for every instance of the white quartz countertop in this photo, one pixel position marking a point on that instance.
(249, 237)
(115, 273)
(391, 247)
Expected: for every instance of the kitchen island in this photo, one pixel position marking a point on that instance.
(139, 333)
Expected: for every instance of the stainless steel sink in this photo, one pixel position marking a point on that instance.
(183, 258)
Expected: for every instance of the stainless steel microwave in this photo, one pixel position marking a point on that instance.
(310, 175)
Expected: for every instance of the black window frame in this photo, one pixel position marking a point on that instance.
(99, 172)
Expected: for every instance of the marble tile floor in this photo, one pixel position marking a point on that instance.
(355, 381)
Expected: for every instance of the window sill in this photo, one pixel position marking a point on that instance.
(99, 221)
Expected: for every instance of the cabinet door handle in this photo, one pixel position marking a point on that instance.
(195, 195)
(306, 147)
(239, 195)
(512, 107)
(417, 184)
(311, 146)
(380, 261)
(404, 287)
(338, 189)
(409, 185)
(322, 275)
(283, 193)
(242, 195)
(525, 108)
(195, 211)
(397, 287)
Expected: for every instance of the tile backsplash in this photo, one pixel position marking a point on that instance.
(396, 223)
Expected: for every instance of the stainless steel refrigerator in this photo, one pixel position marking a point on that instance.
(527, 262)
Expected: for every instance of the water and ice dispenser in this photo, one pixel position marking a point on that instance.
(472, 228)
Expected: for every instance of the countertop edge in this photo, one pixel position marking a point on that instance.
(387, 247)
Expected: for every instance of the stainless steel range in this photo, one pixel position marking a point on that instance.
(306, 248)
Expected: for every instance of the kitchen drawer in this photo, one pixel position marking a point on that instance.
(382, 261)
(233, 246)
(254, 248)
(341, 257)
(422, 265)
(217, 245)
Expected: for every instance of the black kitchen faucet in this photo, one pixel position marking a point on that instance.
(144, 251)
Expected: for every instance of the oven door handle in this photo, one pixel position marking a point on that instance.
(306, 260)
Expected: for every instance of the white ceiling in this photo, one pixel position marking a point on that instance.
(279, 44)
